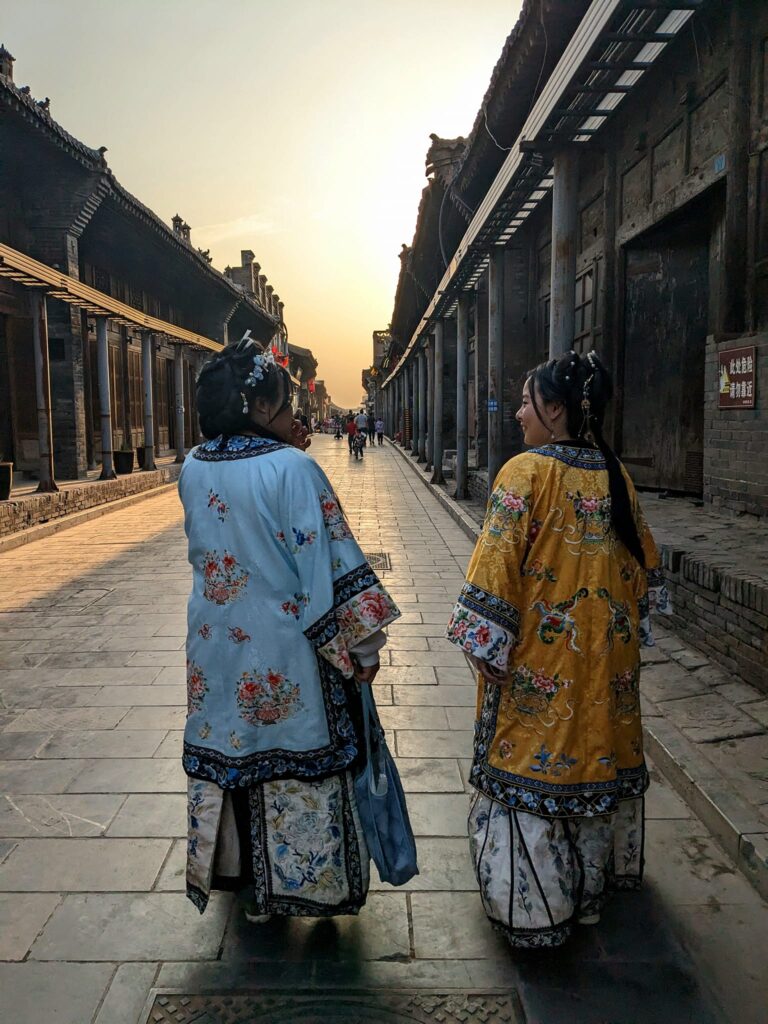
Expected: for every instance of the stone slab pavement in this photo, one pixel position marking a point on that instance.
(92, 806)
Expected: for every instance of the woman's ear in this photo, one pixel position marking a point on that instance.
(260, 405)
(555, 411)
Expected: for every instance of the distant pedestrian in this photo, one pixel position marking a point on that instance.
(358, 443)
(553, 614)
(371, 428)
(361, 422)
(379, 426)
(337, 428)
(351, 429)
(286, 619)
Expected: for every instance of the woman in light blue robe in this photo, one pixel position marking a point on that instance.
(284, 619)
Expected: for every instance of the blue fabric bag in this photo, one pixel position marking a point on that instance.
(381, 803)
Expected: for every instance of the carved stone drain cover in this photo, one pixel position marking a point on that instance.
(378, 560)
(335, 1007)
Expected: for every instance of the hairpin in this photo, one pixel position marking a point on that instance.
(261, 365)
(245, 401)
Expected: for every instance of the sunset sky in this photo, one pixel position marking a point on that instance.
(297, 129)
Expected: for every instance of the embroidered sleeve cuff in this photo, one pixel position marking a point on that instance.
(362, 607)
(484, 626)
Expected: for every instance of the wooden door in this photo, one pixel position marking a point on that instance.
(162, 404)
(23, 393)
(665, 317)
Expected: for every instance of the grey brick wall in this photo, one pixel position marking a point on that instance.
(723, 614)
(34, 509)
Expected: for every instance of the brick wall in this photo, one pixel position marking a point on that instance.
(736, 440)
(478, 485)
(35, 509)
(723, 614)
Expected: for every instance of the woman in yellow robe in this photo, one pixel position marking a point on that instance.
(553, 613)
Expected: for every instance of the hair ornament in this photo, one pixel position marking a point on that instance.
(245, 401)
(261, 365)
(586, 405)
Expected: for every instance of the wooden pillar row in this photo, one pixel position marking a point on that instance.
(147, 367)
(437, 404)
(462, 394)
(105, 400)
(47, 481)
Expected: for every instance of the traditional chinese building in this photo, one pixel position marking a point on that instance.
(106, 312)
(303, 368)
(612, 194)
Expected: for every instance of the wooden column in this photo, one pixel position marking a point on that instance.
(422, 406)
(406, 405)
(562, 317)
(462, 412)
(178, 399)
(416, 398)
(105, 403)
(430, 358)
(437, 406)
(735, 262)
(147, 359)
(90, 453)
(495, 362)
(126, 387)
(42, 390)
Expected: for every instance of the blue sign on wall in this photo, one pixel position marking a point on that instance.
(493, 405)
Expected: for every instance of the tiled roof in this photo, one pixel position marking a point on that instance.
(23, 102)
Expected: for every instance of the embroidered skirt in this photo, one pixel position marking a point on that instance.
(298, 843)
(538, 876)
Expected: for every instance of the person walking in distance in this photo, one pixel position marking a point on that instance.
(285, 623)
(351, 428)
(358, 443)
(361, 422)
(379, 425)
(552, 615)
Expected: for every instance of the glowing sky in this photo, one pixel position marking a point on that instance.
(294, 128)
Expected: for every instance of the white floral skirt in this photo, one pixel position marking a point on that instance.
(538, 876)
(298, 843)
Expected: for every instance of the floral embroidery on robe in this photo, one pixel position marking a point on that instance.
(278, 673)
(553, 599)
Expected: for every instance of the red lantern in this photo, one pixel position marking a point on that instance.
(311, 386)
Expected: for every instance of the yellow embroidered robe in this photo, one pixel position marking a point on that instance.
(554, 599)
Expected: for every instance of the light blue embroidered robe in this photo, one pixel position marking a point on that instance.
(281, 593)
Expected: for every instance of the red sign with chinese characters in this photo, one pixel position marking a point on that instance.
(736, 376)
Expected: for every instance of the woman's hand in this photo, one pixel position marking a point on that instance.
(366, 675)
(489, 672)
(300, 435)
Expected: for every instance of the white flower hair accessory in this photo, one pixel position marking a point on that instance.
(261, 364)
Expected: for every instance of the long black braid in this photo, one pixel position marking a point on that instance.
(584, 387)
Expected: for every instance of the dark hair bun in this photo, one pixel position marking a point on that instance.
(227, 385)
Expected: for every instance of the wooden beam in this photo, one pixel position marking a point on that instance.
(639, 37)
(620, 65)
(35, 274)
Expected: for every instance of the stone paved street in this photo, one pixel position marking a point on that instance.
(92, 814)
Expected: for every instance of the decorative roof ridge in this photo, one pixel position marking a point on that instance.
(23, 96)
(95, 158)
(186, 247)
